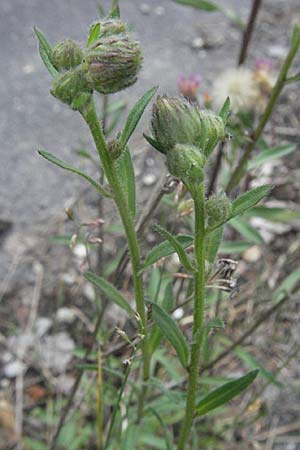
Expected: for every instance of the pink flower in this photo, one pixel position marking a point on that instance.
(189, 87)
(264, 64)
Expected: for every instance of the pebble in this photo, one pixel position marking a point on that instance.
(145, 8)
(56, 352)
(159, 10)
(149, 179)
(42, 325)
(252, 254)
(65, 315)
(278, 51)
(13, 369)
(197, 43)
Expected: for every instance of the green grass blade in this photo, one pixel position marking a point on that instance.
(45, 50)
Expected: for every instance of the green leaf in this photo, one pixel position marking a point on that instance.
(58, 162)
(271, 153)
(172, 332)
(153, 143)
(275, 214)
(225, 110)
(166, 249)
(252, 363)
(130, 437)
(45, 50)
(168, 442)
(94, 34)
(224, 393)
(230, 247)
(109, 290)
(167, 304)
(179, 249)
(212, 244)
(246, 230)
(126, 175)
(249, 199)
(295, 41)
(287, 285)
(134, 116)
(115, 10)
(204, 5)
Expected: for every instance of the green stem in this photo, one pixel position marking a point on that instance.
(281, 80)
(199, 280)
(90, 116)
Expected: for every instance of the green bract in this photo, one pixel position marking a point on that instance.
(70, 85)
(186, 162)
(66, 55)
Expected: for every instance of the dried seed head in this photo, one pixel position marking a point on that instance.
(66, 55)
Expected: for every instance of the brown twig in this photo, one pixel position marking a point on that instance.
(247, 35)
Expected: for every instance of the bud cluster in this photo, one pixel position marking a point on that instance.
(186, 135)
(109, 64)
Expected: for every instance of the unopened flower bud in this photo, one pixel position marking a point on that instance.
(218, 209)
(115, 148)
(66, 55)
(186, 162)
(110, 27)
(176, 121)
(69, 86)
(113, 63)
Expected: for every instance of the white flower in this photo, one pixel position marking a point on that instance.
(240, 86)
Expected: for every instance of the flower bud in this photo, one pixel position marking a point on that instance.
(70, 87)
(113, 63)
(66, 55)
(218, 209)
(186, 162)
(176, 121)
(110, 27)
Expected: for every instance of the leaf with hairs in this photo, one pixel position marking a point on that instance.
(134, 116)
(94, 34)
(45, 50)
(172, 332)
(249, 199)
(60, 163)
(179, 249)
(109, 290)
(224, 393)
(126, 175)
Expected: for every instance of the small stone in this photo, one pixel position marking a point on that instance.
(197, 43)
(42, 325)
(178, 313)
(68, 278)
(159, 10)
(277, 51)
(65, 315)
(56, 352)
(13, 369)
(80, 251)
(149, 179)
(145, 8)
(252, 254)
(28, 69)
(88, 291)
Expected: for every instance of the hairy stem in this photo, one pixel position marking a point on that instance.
(242, 164)
(199, 279)
(91, 119)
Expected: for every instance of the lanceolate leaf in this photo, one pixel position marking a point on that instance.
(249, 199)
(225, 393)
(135, 115)
(225, 110)
(172, 332)
(58, 162)
(183, 257)
(274, 214)
(126, 177)
(165, 248)
(213, 242)
(287, 285)
(167, 304)
(45, 50)
(246, 230)
(271, 153)
(109, 290)
(234, 246)
(205, 5)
